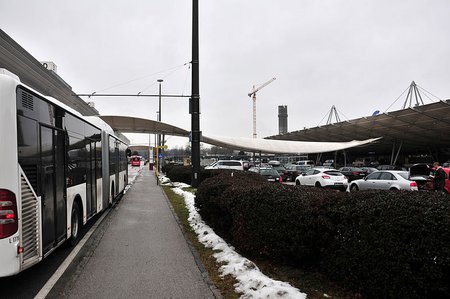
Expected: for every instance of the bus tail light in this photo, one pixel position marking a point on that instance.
(8, 214)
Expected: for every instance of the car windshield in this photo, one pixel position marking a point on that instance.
(302, 167)
(279, 167)
(268, 171)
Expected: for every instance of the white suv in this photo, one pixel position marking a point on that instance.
(228, 164)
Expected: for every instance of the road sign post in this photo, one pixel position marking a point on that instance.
(157, 157)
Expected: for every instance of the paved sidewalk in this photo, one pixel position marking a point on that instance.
(143, 253)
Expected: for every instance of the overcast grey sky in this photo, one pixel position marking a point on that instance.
(358, 55)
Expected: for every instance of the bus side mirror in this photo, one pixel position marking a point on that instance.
(128, 152)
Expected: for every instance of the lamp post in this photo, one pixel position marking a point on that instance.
(159, 114)
(194, 104)
(159, 119)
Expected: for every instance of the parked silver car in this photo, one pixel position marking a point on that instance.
(385, 180)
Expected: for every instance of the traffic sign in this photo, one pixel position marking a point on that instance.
(161, 146)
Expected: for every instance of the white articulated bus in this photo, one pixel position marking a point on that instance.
(58, 170)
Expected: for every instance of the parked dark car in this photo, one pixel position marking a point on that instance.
(269, 173)
(280, 169)
(293, 171)
(369, 170)
(353, 173)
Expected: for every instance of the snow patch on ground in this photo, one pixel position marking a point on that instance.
(252, 283)
(164, 180)
(133, 173)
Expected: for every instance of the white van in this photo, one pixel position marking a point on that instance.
(228, 164)
(306, 163)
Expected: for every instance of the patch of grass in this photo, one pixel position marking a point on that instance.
(314, 284)
(225, 284)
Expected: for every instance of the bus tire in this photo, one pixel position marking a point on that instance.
(112, 194)
(75, 225)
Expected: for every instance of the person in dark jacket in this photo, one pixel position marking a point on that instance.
(439, 177)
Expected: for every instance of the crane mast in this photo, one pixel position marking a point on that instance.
(253, 96)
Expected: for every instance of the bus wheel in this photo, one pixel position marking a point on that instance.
(112, 194)
(75, 224)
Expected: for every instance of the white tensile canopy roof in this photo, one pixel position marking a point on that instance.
(127, 124)
(282, 146)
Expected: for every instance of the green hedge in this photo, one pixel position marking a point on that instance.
(180, 173)
(381, 244)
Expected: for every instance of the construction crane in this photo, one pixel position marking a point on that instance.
(253, 96)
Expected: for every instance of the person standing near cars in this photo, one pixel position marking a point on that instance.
(439, 177)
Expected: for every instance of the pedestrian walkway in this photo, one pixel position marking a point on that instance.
(143, 253)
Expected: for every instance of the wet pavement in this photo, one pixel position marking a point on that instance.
(139, 252)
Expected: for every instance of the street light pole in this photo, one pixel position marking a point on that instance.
(159, 109)
(194, 101)
(159, 119)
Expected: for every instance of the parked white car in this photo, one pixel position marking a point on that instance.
(323, 177)
(228, 164)
(385, 180)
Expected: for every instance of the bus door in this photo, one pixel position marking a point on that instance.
(91, 181)
(117, 161)
(52, 149)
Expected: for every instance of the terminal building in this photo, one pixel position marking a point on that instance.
(416, 134)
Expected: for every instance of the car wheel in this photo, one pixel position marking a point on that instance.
(394, 189)
(354, 187)
(297, 182)
(318, 185)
